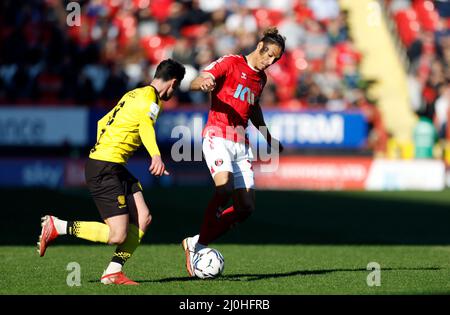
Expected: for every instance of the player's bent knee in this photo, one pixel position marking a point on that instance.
(245, 211)
(117, 238)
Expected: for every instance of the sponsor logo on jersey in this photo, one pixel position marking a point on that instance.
(244, 94)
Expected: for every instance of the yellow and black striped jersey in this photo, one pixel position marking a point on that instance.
(129, 124)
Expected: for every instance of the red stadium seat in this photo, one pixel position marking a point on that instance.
(407, 25)
(266, 17)
(157, 47)
(160, 9)
(427, 14)
(126, 24)
(82, 34)
(298, 60)
(284, 74)
(194, 31)
(302, 12)
(113, 7)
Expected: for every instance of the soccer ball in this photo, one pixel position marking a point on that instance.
(208, 263)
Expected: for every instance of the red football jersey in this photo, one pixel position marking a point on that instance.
(238, 88)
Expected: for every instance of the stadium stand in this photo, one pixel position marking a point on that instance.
(118, 43)
(423, 27)
(45, 61)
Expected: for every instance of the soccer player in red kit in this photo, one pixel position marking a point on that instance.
(235, 83)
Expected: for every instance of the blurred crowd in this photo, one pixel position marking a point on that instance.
(43, 59)
(424, 29)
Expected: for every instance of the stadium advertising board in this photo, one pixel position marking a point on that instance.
(57, 173)
(406, 175)
(74, 172)
(293, 173)
(316, 173)
(32, 173)
(181, 174)
(294, 129)
(52, 126)
(352, 173)
(318, 129)
(43, 126)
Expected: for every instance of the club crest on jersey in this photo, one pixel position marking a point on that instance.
(218, 162)
(121, 201)
(243, 75)
(244, 94)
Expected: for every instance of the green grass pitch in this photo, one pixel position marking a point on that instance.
(308, 243)
(249, 269)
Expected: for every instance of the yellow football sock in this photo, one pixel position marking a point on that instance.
(124, 251)
(91, 231)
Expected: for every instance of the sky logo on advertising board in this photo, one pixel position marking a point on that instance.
(39, 174)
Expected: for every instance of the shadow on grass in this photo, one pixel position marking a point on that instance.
(282, 217)
(255, 276)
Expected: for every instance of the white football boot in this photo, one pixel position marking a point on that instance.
(189, 247)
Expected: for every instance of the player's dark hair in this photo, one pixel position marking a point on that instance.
(271, 36)
(170, 69)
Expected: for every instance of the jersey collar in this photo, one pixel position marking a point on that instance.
(156, 93)
(246, 61)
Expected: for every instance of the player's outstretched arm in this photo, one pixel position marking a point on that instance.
(205, 82)
(257, 119)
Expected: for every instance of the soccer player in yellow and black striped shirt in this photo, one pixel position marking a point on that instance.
(118, 194)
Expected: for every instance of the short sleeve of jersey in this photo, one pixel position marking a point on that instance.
(220, 67)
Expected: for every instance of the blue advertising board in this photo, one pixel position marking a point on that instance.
(78, 127)
(306, 129)
(43, 126)
(32, 173)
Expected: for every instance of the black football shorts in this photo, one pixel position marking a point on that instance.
(112, 187)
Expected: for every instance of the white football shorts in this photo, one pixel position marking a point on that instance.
(223, 155)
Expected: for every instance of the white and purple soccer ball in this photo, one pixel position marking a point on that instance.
(208, 263)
